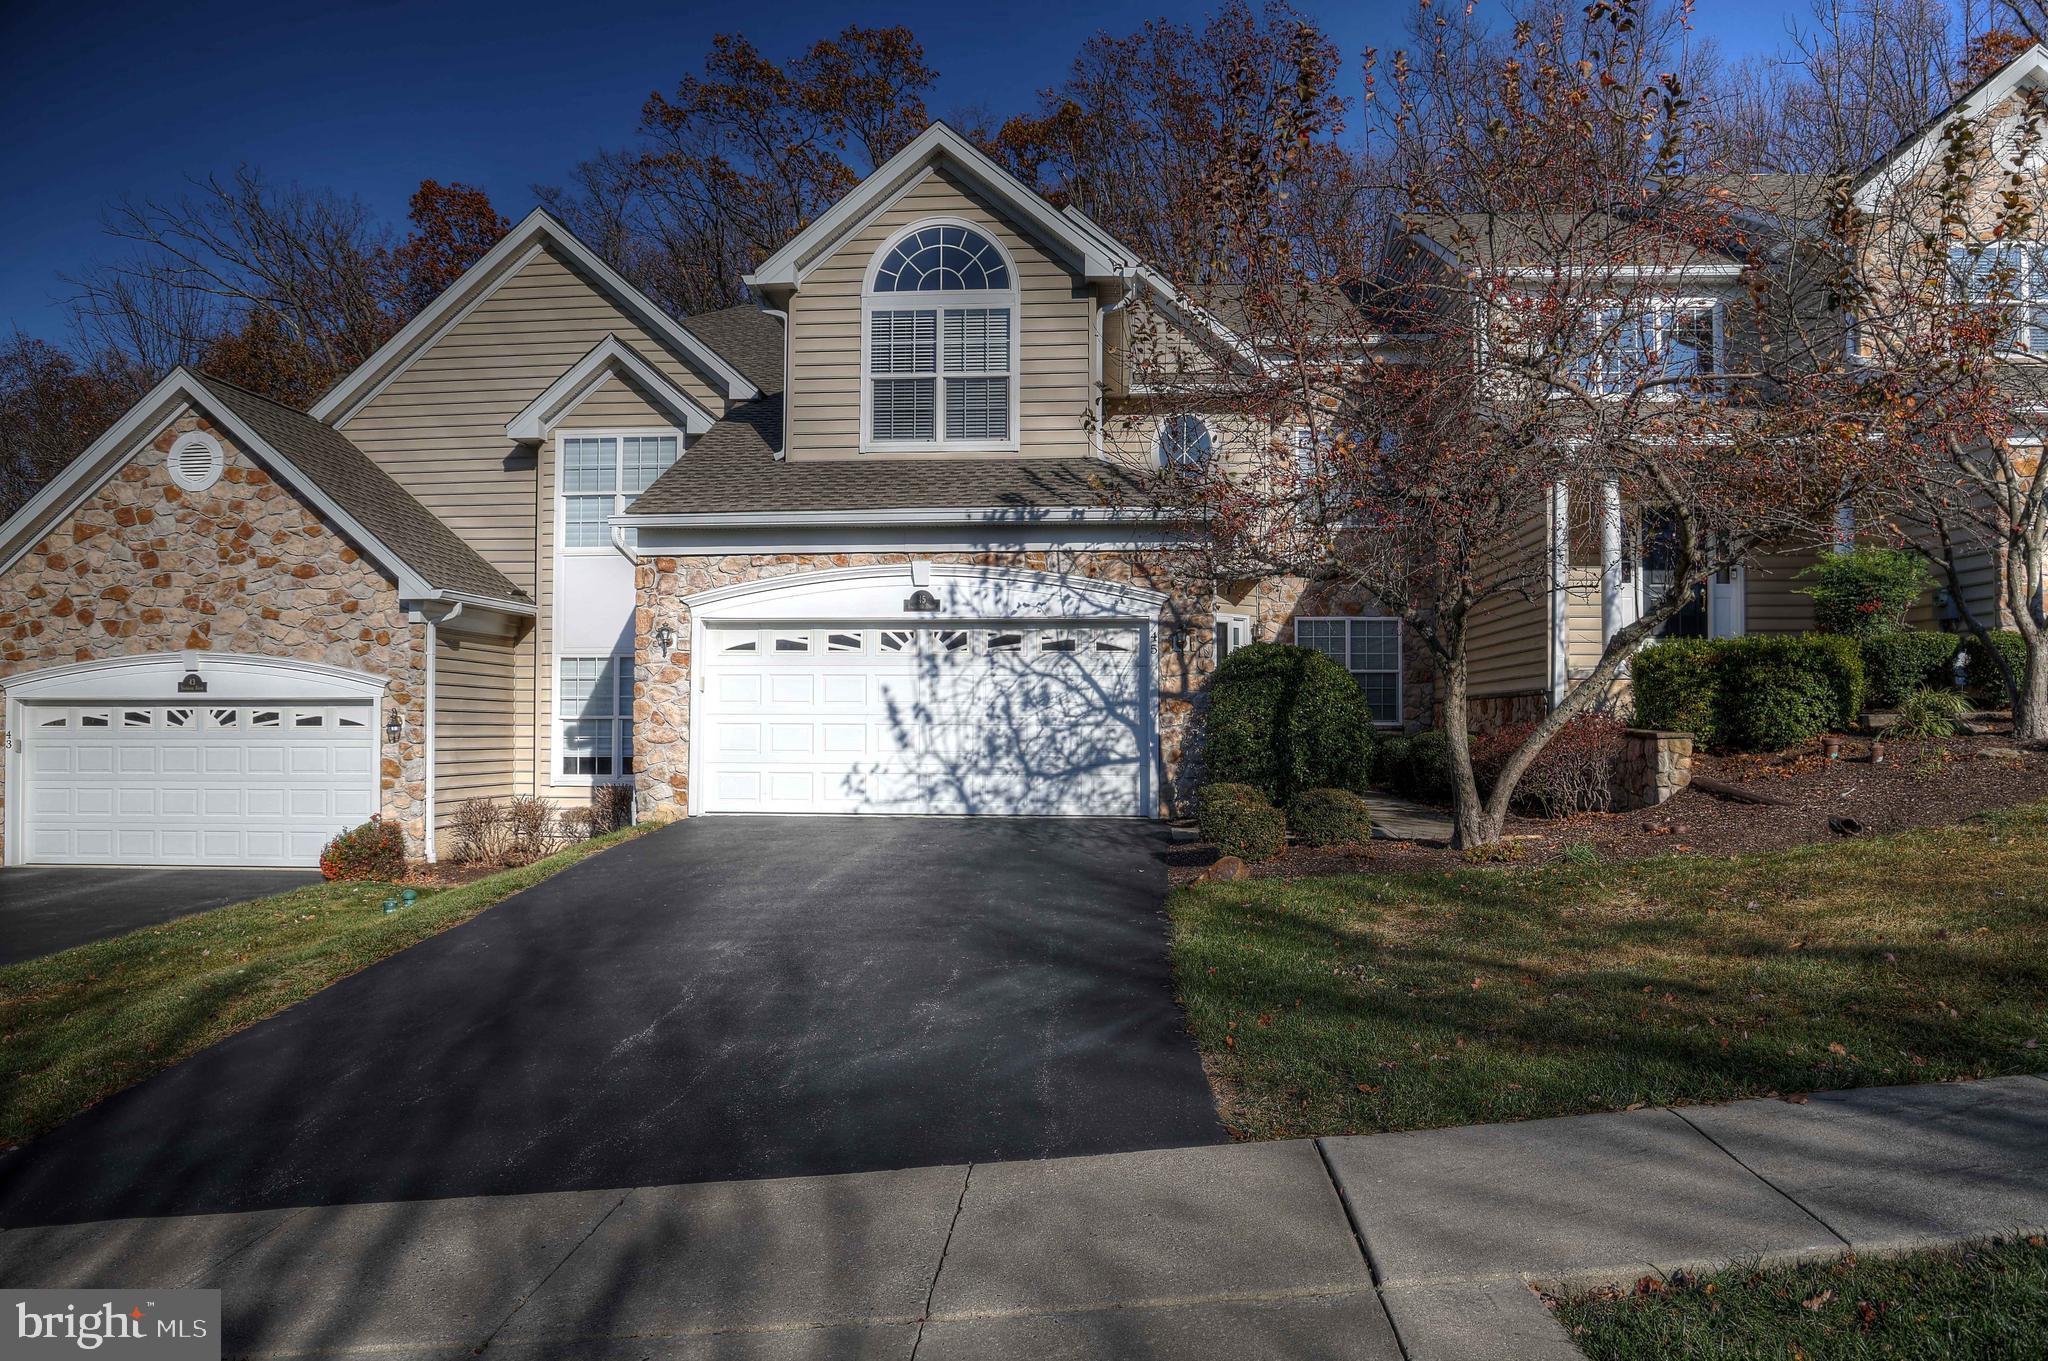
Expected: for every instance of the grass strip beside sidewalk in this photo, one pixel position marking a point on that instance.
(82, 1024)
(1982, 1302)
(1367, 1003)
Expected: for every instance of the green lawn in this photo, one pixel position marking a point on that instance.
(1368, 1003)
(1988, 1302)
(78, 1026)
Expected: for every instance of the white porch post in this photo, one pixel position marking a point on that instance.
(1560, 591)
(1618, 605)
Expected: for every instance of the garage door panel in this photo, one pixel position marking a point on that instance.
(230, 784)
(982, 718)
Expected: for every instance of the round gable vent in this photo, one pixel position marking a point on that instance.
(196, 461)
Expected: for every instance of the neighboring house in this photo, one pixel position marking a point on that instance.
(881, 544)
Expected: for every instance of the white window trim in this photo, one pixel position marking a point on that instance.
(620, 499)
(1239, 625)
(2028, 296)
(1400, 656)
(872, 302)
(558, 749)
(1159, 456)
(1667, 303)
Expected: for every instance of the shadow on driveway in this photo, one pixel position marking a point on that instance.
(727, 998)
(47, 908)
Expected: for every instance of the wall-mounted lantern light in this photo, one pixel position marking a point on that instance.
(393, 729)
(664, 639)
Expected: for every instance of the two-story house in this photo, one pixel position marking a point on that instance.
(879, 543)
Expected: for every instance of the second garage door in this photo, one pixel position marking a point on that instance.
(995, 718)
(195, 784)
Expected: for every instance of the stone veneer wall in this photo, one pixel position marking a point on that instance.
(1277, 602)
(661, 703)
(144, 566)
(1651, 768)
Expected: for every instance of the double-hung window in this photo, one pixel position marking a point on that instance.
(594, 705)
(601, 474)
(940, 363)
(2008, 285)
(1623, 347)
(1369, 648)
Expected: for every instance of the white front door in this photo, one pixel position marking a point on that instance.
(997, 718)
(194, 783)
(1726, 615)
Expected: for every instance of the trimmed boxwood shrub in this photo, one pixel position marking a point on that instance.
(1867, 592)
(1283, 719)
(1248, 828)
(1676, 687)
(1759, 693)
(1777, 691)
(1415, 765)
(1897, 664)
(1980, 673)
(1222, 790)
(1329, 817)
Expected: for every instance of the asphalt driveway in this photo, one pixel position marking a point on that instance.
(47, 908)
(726, 998)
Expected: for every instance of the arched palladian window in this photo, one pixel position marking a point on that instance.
(1185, 442)
(940, 362)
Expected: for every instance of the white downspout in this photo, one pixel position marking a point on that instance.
(1098, 356)
(782, 444)
(433, 647)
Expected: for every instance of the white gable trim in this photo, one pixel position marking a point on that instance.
(1087, 253)
(90, 471)
(2031, 66)
(608, 357)
(484, 278)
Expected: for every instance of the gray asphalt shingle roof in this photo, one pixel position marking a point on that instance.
(745, 337)
(732, 469)
(368, 493)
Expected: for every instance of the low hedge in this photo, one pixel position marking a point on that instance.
(1246, 827)
(1283, 719)
(1758, 693)
(1329, 817)
(1677, 688)
(1980, 673)
(1415, 765)
(1896, 665)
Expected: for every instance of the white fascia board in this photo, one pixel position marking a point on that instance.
(909, 515)
(83, 476)
(480, 280)
(1719, 269)
(2031, 65)
(608, 356)
(784, 269)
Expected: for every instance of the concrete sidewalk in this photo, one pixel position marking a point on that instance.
(1376, 1248)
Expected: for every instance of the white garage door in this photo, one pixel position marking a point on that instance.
(971, 718)
(195, 784)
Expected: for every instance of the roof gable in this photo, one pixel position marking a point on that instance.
(1089, 252)
(1919, 148)
(536, 231)
(314, 461)
(608, 358)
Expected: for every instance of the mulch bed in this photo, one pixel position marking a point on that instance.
(1918, 784)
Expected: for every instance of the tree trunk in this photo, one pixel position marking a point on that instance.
(2030, 714)
(1471, 822)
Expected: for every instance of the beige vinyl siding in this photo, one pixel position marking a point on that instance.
(618, 405)
(1584, 642)
(1508, 642)
(476, 700)
(1054, 332)
(439, 428)
(1772, 602)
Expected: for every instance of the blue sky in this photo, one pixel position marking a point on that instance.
(113, 99)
